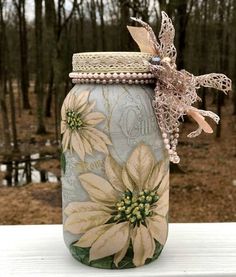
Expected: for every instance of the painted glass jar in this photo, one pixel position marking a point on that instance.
(115, 178)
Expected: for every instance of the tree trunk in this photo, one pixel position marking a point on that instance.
(220, 34)
(50, 20)
(59, 71)
(181, 18)
(91, 4)
(3, 82)
(80, 11)
(49, 93)
(39, 89)
(3, 92)
(202, 104)
(100, 5)
(13, 114)
(234, 55)
(124, 19)
(5, 122)
(20, 8)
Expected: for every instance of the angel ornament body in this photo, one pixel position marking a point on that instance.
(118, 136)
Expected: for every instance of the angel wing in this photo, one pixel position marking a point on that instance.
(144, 37)
(214, 80)
(166, 37)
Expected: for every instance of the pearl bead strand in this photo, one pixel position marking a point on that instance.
(170, 143)
(111, 75)
(112, 81)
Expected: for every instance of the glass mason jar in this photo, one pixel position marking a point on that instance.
(115, 180)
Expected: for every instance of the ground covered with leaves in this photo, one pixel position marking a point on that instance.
(203, 186)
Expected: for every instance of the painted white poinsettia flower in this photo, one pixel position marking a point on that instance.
(78, 122)
(130, 206)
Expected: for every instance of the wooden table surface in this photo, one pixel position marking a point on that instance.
(205, 249)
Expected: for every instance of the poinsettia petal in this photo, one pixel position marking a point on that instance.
(99, 189)
(89, 107)
(143, 245)
(66, 140)
(164, 183)
(93, 118)
(127, 181)
(77, 144)
(162, 205)
(120, 255)
(156, 175)
(158, 227)
(81, 222)
(100, 134)
(92, 235)
(140, 164)
(63, 126)
(95, 141)
(81, 99)
(71, 102)
(63, 112)
(113, 171)
(66, 104)
(76, 207)
(110, 242)
(82, 108)
(87, 146)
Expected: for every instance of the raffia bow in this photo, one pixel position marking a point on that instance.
(175, 90)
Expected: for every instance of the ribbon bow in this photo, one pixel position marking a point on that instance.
(175, 90)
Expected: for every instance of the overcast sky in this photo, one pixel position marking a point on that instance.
(30, 8)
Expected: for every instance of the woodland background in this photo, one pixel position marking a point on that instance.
(37, 40)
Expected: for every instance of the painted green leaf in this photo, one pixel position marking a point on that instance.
(82, 255)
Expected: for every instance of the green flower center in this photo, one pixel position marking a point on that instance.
(135, 207)
(74, 120)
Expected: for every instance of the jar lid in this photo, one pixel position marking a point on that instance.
(96, 62)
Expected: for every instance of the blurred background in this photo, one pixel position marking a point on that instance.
(37, 40)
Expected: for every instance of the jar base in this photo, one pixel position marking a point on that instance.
(82, 255)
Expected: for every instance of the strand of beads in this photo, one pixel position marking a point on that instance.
(170, 138)
(170, 142)
(112, 81)
(111, 76)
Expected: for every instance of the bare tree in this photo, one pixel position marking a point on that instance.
(140, 9)
(100, 6)
(220, 34)
(3, 81)
(124, 8)
(59, 72)
(234, 55)
(22, 29)
(203, 56)
(183, 9)
(80, 38)
(39, 83)
(92, 9)
(50, 21)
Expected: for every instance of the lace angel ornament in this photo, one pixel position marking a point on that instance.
(175, 90)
